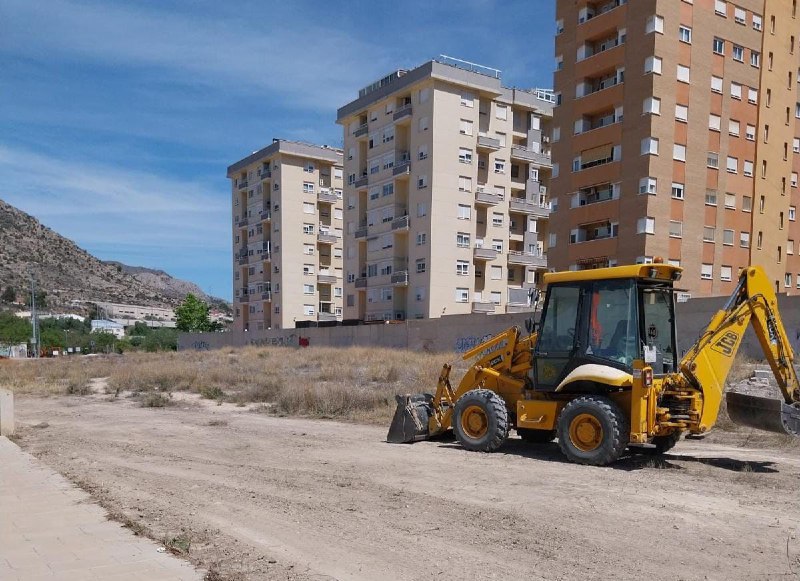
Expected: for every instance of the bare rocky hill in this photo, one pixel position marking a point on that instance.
(67, 273)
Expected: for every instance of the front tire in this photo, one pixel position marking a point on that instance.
(592, 430)
(480, 420)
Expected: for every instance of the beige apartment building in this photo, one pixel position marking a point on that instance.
(286, 202)
(446, 193)
(677, 135)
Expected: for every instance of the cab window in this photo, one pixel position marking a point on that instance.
(558, 330)
(613, 326)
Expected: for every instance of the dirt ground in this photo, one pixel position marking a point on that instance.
(262, 497)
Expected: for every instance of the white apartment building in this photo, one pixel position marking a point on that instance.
(446, 202)
(286, 206)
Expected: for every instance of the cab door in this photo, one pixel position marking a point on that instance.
(556, 345)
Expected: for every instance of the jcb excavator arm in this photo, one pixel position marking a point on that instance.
(707, 364)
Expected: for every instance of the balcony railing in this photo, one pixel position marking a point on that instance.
(402, 112)
(266, 214)
(361, 232)
(527, 258)
(327, 277)
(400, 223)
(362, 181)
(327, 237)
(242, 223)
(483, 307)
(265, 174)
(484, 253)
(403, 168)
(485, 198)
(523, 153)
(400, 278)
(361, 282)
(325, 317)
(266, 296)
(362, 130)
(242, 184)
(486, 142)
(327, 196)
(529, 207)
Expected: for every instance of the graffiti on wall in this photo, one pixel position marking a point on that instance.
(201, 346)
(292, 340)
(464, 344)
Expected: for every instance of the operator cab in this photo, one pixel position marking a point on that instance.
(606, 317)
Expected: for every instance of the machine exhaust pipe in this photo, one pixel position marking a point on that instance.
(764, 413)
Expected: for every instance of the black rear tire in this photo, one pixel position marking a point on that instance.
(489, 431)
(592, 430)
(530, 436)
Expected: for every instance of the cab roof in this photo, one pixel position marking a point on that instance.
(653, 272)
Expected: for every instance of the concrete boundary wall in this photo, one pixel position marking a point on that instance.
(459, 333)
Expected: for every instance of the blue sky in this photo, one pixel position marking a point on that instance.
(119, 118)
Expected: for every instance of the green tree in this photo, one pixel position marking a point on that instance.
(9, 295)
(41, 299)
(13, 329)
(192, 316)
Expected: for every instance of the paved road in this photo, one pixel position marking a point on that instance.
(50, 529)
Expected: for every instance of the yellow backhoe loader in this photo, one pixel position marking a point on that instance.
(601, 371)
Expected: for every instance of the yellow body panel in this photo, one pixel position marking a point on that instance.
(538, 414)
(663, 272)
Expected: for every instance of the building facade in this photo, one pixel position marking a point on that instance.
(677, 135)
(446, 201)
(286, 206)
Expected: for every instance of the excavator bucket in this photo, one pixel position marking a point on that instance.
(763, 413)
(410, 422)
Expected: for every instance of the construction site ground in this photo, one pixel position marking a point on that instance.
(263, 497)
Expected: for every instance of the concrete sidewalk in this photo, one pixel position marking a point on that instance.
(50, 529)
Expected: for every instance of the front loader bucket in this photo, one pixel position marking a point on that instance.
(410, 422)
(763, 413)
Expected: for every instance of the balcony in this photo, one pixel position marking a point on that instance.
(517, 308)
(327, 196)
(484, 198)
(326, 317)
(402, 169)
(522, 153)
(400, 223)
(266, 213)
(403, 113)
(361, 282)
(242, 223)
(264, 173)
(361, 131)
(483, 307)
(244, 299)
(534, 259)
(266, 296)
(327, 237)
(400, 278)
(362, 181)
(242, 184)
(488, 143)
(360, 233)
(529, 207)
(482, 253)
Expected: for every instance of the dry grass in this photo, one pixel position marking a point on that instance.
(354, 383)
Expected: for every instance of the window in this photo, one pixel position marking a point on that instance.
(651, 106)
(675, 229)
(683, 74)
(679, 152)
(308, 269)
(650, 146)
(727, 237)
(747, 203)
(716, 84)
(711, 197)
(748, 169)
(738, 53)
(712, 160)
(685, 34)
(464, 155)
(652, 64)
(501, 111)
(420, 265)
(462, 295)
(308, 228)
(462, 240)
(733, 128)
(308, 188)
(725, 273)
(308, 289)
(733, 165)
(750, 132)
(796, 145)
(682, 113)
(462, 267)
(708, 233)
(497, 219)
(790, 246)
(467, 99)
(464, 184)
(736, 91)
(757, 22)
(794, 179)
(730, 200)
(464, 212)
(721, 7)
(421, 238)
(497, 273)
(422, 182)
(755, 59)
(308, 310)
(714, 122)
(646, 225)
(308, 208)
(424, 122)
(499, 166)
(309, 168)
(677, 191)
(719, 46)
(424, 94)
(647, 185)
(739, 15)
(706, 271)
(744, 239)
(655, 23)
(465, 127)
(497, 245)
(752, 95)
